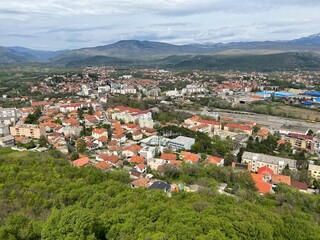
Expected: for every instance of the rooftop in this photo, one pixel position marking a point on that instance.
(269, 159)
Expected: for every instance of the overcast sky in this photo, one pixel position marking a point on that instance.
(67, 24)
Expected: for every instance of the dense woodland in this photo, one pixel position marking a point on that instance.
(43, 197)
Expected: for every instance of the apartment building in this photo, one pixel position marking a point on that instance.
(277, 164)
(314, 171)
(28, 130)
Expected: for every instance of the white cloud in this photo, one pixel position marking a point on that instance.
(71, 24)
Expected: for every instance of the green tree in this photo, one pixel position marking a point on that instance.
(73, 222)
(81, 145)
(43, 142)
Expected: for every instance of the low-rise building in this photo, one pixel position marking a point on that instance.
(277, 164)
(314, 171)
(181, 142)
(7, 141)
(4, 129)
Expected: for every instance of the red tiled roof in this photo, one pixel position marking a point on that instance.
(281, 179)
(238, 126)
(103, 139)
(168, 156)
(256, 177)
(299, 185)
(132, 148)
(209, 122)
(188, 156)
(137, 159)
(281, 141)
(110, 158)
(98, 130)
(103, 165)
(265, 170)
(141, 182)
(295, 135)
(81, 162)
(141, 166)
(263, 187)
(213, 159)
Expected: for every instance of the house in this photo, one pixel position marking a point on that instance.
(120, 138)
(277, 164)
(276, 179)
(136, 160)
(261, 185)
(266, 173)
(149, 131)
(154, 163)
(81, 162)
(132, 150)
(134, 174)
(190, 157)
(140, 183)
(7, 141)
(141, 168)
(103, 166)
(215, 160)
(114, 150)
(168, 156)
(137, 135)
(102, 141)
(111, 159)
(263, 133)
(99, 132)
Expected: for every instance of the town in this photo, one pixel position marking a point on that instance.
(151, 123)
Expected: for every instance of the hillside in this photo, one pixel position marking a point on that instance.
(39, 54)
(302, 53)
(266, 62)
(43, 197)
(11, 56)
(279, 61)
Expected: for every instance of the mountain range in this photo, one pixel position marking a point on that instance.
(299, 53)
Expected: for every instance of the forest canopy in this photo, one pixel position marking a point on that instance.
(43, 197)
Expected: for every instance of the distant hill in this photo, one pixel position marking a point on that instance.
(291, 54)
(39, 54)
(11, 56)
(270, 62)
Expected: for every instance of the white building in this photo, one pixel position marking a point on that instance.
(181, 142)
(4, 129)
(192, 88)
(173, 93)
(9, 115)
(148, 152)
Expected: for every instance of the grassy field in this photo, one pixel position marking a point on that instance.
(300, 112)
